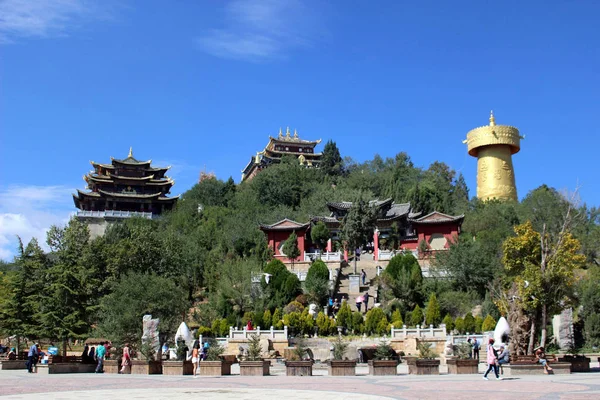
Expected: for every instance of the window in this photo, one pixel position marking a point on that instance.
(300, 149)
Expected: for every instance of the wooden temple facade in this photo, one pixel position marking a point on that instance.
(282, 145)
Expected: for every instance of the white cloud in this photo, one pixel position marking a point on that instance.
(29, 211)
(42, 18)
(260, 29)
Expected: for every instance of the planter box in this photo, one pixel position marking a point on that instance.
(65, 368)
(112, 366)
(12, 364)
(382, 367)
(143, 367)
(342, 368)
(177, 368)
(456, 366)
(255, 368)
(215, 368)
(424, 367)
(578, 363)
(298, 368)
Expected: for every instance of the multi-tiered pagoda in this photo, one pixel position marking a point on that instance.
(125, 188)
(280, 146)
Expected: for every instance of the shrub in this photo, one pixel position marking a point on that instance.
(204, 331)
(294, 306)
(254, 348)
(426, 351)
(224, 328)
(302, 299)
(469, 323)
(293, 321)
(403, 277)
(459, 325)
(276, 321)
(215, 351)
(344, 316)
(592, 330)
(323, 324)
(308, 323)
(372, 321)
(357, 322)
(318, 269)
(267, 319)
(317, 282)
(416, 318)
(478, 324)
(433, 315)
(383, 351)
(300, 350)
(463, 350)
(449, 322)
(397, 319)
(489, 324)
(339, 348)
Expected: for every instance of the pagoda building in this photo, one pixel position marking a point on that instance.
(122, 189)
(280, 146)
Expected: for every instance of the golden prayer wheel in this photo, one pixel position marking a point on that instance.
(494, 145)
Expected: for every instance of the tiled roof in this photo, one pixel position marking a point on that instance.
(285, 225)
(437, 217)
(346, 205)
(323, 219)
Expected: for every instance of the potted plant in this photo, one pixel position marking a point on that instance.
(462, 363)
(383, 362)
(214, 365)
(180, 366)
(300, 365)
(254, 365)
(579, 362)
(147, 366)
(338, 366)
(425, 364)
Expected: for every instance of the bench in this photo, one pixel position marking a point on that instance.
(528, 365)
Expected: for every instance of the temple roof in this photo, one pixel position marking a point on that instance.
(130, 195)
(437, 217)
(289, 138)
(131, 160)
(285, 225)
(346, 205)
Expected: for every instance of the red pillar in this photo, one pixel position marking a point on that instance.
(376, 244)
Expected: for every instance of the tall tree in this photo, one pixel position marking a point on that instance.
(320, 234)
(402, 280)
(331, 162)
(290, 247)
(358, 225)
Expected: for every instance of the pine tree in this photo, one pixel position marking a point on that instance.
(470, 323)
(416, 318)
(397, 319)
(449, 322)
(433, 314)
(290, 247)
(489, 324)
(459, 325)
(331, 162)
(267, 319)
(277, 317)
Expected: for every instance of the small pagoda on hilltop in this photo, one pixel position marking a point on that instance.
(280, 146)
(124, 188)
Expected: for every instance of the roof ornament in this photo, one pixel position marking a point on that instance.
(296, 133)
(287, 132)
(492, 119)
(130, 153)
(280, 133)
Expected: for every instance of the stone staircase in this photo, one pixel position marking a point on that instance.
(367, 263)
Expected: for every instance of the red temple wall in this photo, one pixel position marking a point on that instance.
(276, 238)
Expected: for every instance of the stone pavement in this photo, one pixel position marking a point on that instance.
(21, 385)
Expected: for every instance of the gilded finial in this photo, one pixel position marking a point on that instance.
(296, 133)
(287, 132)
(280, 132)
(130, 152)
(492, 119)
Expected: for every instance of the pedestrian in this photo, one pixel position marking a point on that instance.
(357, 253)
(476, 346)
(503, 357)
(249, 325)
(126, 360)
(32, 357)
(540, 355)
(366, 300)
(100, 353)
(336, 307)
(363, 276)
(329, 306)
(492, 361)
(359, 301)
(196, 357)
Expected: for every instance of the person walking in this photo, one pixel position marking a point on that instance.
(32, 357)
(363, 276)
(359, 301)
(100, 354)
(492, 361)
(196, 357)
(126, 360)
(475, 349)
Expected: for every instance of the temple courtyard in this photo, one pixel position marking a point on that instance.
(18, 384)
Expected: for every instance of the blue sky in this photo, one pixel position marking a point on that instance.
(202, 84)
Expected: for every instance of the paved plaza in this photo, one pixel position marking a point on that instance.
(21, 385)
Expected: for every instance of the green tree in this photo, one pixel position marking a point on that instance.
(416, 317)
(397, 319)
(320, 235)
(277, 319)
(469, 323)
(317, 282)
(478, 324)
(136, 295)
(402, 280)
(449, 322)
(357, 323)
(373, 321)
(358, 225)
(459, 325)
(290, 248)
(433, 314)
(344, 316)
(489, 324)
(331, 162)
(267, 319)
(543, 270)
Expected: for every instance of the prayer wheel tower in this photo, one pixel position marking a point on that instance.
(494, 145)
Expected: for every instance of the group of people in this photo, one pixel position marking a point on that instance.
(497, 358)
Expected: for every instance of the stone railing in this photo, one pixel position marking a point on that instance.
(244, 334)
(327, 256)
(384, 255)
(481, 338)
(114, 214)
(404, 332)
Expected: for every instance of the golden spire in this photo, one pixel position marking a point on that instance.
(287, 132)
(296, 133)
(492, 119)
(130, 153)
(280, 133)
